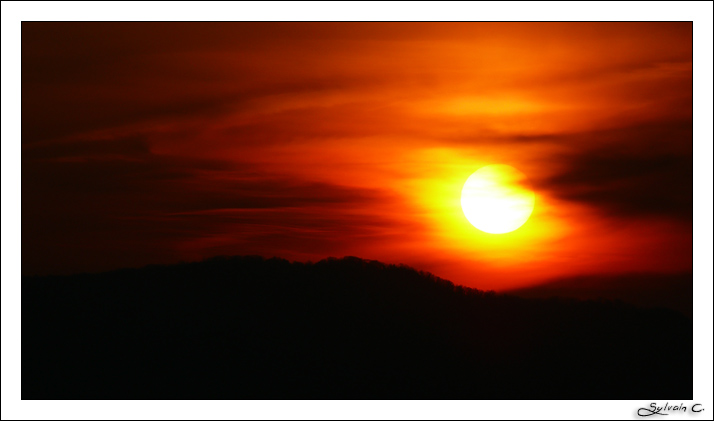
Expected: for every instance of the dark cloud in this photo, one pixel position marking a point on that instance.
(91, 170)
(114, 203)
(630, 172)
(630, 186)
(303, 233)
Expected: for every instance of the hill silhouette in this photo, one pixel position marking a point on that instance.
(254, 328)
(673, 291)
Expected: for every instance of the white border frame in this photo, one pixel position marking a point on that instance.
(15, 12)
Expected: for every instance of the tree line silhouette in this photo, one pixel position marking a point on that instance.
(255, 328)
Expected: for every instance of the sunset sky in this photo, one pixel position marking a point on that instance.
(161, 142)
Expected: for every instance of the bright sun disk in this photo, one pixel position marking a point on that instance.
(497, 199)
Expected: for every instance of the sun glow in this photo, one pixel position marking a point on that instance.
(497, 199)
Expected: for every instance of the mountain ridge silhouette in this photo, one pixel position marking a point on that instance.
(255, 328)
(672, 290)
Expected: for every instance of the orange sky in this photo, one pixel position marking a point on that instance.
(159, 142)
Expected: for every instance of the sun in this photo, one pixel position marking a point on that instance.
(497, 199)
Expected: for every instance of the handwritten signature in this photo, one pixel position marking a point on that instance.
(662, 410)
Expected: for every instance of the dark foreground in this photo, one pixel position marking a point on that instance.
(248, 328)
